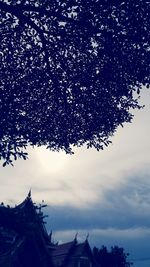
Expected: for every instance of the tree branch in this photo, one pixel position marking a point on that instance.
(26, 20)
(42, 11)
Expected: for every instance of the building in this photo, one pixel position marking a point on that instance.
(25, 242)
(73, 254)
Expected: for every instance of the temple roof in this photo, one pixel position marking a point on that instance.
(27, 202)
(21, 230)
(26, 212)
(24, 217)
(67, 254)
(63, 249)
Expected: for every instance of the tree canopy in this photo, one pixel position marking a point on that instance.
(116, 257)
(69, 70)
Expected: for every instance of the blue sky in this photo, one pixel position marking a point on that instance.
(105, 194)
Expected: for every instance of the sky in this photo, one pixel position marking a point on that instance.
(104, 194)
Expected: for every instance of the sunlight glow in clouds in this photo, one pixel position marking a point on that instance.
(83, 178)
(51, 162)
(106, 193)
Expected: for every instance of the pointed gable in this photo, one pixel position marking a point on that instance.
(73, 254)
(62, 252)
(24, 236)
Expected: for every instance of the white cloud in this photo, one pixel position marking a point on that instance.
(84, 178)
(111, 187)
(111, 233)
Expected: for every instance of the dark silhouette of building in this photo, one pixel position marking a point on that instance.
(25, 242)
(73, 254)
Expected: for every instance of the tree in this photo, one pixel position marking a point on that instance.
(68, 71)
(116, 257)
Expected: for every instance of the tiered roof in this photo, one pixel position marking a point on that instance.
(24, 241)
(24, 236)
(69, 254)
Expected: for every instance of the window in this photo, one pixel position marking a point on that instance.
(84, 262)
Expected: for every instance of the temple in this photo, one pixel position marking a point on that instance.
(25, 242)
(73, 254)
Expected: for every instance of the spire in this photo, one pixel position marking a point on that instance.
(75, 238)
(87, 237)
(29, 194)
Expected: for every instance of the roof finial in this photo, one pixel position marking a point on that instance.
(75, 238)
(29, 194)
(87, 237)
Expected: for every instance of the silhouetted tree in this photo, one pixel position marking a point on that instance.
(68, 70)
(116, 257)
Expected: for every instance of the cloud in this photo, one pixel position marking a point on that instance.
(133, 240)
(104, 193)
(108, 235)
(83, 179)
(125, 207)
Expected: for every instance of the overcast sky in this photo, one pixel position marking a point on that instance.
(105, 194)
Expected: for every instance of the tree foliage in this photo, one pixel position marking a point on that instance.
(68, 71)
(116, 257)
